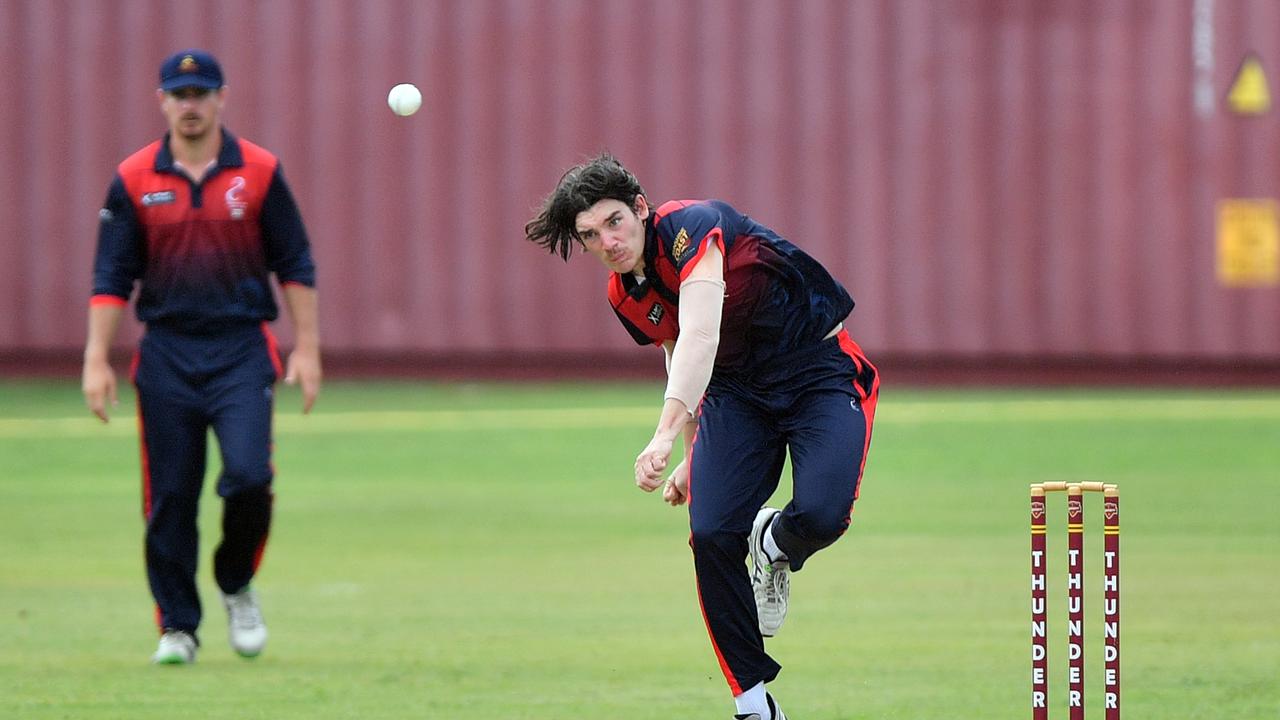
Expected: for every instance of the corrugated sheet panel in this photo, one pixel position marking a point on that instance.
(990, 177)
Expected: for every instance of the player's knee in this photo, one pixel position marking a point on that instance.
(717, 540)
(251, 495)
(819, 526)
(253, 501)
(244, 479)
(248, 509)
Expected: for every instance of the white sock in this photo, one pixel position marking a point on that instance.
(771, 546)
(753, 701)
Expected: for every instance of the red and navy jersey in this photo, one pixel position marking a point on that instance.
(202, 253)
(777, 298)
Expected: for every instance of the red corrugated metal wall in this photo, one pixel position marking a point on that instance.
(1012, 178)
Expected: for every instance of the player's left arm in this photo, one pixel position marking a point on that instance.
(289, 257)
(303, 367)
(691, 361)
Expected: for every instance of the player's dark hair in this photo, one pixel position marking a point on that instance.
(600, 178)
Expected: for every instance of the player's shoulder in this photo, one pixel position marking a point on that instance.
(688, 216)
(673, 206)
(680, 209)
(694, 212)
(254, 154)
(142, 160)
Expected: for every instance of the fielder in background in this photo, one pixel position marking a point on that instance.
(199, 220)
(758, 363)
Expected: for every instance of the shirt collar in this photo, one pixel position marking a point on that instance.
(650, 251)
(229, 154)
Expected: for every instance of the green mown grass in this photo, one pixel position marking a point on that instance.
(479, 551)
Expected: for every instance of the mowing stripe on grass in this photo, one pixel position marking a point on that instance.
(907, 412)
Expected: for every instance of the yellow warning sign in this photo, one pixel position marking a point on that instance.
(1249, 242)
(1249, 94)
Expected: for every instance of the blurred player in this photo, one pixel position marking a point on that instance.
(758, 363)
(199, 220)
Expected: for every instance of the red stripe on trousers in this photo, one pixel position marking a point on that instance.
(734, 687)
(273, 350)
(868, 400)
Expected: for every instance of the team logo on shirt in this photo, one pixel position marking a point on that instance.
(235, 205)
(655, 314)
(681, 244)
(160, 197)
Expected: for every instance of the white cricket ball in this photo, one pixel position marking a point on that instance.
(404, 99)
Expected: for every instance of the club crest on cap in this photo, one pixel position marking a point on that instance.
(190, 68)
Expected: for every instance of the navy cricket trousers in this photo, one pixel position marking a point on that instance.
(188, 384)
(819, 404)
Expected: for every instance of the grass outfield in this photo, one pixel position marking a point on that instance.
(479, 552)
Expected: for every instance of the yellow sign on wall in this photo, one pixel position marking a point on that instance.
(1249, 242)
(1249, 94)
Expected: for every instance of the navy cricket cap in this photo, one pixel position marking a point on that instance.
(190, 68)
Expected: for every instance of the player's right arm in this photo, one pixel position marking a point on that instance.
(692, 359)
(116, 265)
(676, 490)
(98, 380)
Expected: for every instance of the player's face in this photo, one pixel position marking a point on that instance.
(192, 112)
(614, 233)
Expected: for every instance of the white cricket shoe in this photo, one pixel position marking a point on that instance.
(771, 582)
(176, 648)
(775, 712)
(245, 628)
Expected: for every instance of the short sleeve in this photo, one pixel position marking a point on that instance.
(120, 256)
(285, 236)
(687, 232)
